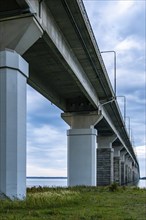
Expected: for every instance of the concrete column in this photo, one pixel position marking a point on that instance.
(81, 148)
(82, 157)
(123, 166)
(13, 76)
(130, 179)
(135, 172)
(126, 174)
(117, 164)
(105, 153)
(122, 172)
(127, 169)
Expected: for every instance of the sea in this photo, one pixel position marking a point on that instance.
(60, 182)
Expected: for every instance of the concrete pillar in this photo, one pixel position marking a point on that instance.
(135, 172)
(117, 164)
(82, 157)
(81, 148)
(128, 169)
(13, 77)
(126, 174)
(130, 180)
(123, 166)
(105, 153)
(122, 172)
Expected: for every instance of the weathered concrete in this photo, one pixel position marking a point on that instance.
(135, 171)
(19, 34)
(117, 170)
(117, 164)
(81, 164)
(105, 153)
(13, 77)
(82, 144)
(128, 169)
(123, 167)
(122, 172)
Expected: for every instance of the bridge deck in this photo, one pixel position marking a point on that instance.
(65, 63)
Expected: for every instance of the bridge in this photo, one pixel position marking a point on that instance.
(51, 46)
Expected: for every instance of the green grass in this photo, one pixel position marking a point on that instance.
(78, 203)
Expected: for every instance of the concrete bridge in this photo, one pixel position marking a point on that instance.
(50, 45)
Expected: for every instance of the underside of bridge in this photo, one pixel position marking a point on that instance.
(65, 65)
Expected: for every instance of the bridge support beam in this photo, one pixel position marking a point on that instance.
(128, 169)
(117, 164)
(135, 172)
(105, 154)
(122, 172)
(82, 148)
(130, 179)
(13, 76)
(123, 166)
(82, 157)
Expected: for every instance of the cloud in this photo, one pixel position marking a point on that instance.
(46, 137)
(46, 150)
(35, 101)
(129, 43)
(34, 170)
(141, 155)
(113, 21)
(140, 152)
(41, 111)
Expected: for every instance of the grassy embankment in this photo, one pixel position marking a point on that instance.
(78, 203)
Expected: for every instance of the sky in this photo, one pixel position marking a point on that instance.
(119, 26)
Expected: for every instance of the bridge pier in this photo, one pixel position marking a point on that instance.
(81, 148)
(135, 172)
(117, 164)
(13, 77)
(105, 157)
(122, 172)
(130, 178)
(82, 157)
(128, 169)
(123, 166)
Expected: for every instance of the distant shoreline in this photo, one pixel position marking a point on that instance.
(142, 178)
(59, 177)
(46, 177)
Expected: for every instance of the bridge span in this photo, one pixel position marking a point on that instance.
(51, 46)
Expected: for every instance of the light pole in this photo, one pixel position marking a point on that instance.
(129, 125)
(115, 66)
(121, 96)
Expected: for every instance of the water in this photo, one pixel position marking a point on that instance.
(142, 183)
(49, 182)
(60, 182)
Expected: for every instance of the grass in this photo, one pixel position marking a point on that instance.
(78, 203)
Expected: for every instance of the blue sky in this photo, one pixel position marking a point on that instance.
(117, 25)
